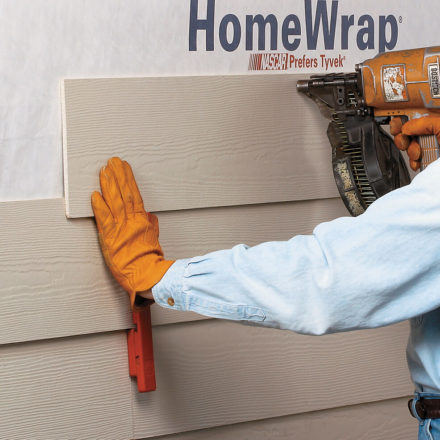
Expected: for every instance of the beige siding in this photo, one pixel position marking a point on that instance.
(209, 373)
(387, 420)
(74, 388)
(197, 141)
(212, 373)
(54, 281)
(63, 355)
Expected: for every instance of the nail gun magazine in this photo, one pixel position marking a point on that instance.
(366, 163)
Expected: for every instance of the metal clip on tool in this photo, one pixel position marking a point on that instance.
(140, 351)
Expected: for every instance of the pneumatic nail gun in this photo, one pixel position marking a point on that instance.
(366, 163)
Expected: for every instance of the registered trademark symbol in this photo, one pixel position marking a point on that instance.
(400, 19)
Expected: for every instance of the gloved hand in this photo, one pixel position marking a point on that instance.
(129, 236)
(427, 125)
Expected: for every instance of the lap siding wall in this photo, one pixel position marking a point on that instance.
(225, 179)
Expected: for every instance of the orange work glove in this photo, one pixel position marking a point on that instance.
(427, 125)
(129, 236)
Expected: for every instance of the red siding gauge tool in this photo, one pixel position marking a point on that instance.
(140, 350)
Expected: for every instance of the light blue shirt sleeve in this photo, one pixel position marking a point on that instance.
(351, 273)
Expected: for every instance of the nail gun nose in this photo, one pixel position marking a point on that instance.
(302, 86)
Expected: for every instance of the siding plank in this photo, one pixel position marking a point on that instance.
(389, 420)
(54, 281)
(196, 142)
(213, 373)
(209, 373)
(76, 388)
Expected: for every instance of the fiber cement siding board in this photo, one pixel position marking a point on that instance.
(209, 373)
(213, 373)
(196, 142)
(74, 388)
(388, 420)
(54, 281)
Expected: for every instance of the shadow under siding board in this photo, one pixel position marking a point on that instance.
(54, 282)
(194, 232)
(213, 373)
(196, 142)
(388, 420)
(68, 388)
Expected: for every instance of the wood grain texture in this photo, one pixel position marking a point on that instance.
(388, 420)
(213, 373)
(196, 142)
(54, 281)
(209, 373)
(75, 388)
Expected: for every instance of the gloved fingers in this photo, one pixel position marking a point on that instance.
(414, 164)
(138, 203)
(395, 126)
(154, 222)
(153, 233)
(402, 141)
(103, 215)
(422, 126)
(111, 193)
(414, 151)
(415, 155)
(118, 168)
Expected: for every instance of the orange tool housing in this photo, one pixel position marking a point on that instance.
(405, 82)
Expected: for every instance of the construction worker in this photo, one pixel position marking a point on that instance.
(352, 273)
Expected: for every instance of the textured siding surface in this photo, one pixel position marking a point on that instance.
(209, 141)
(212, 373)
(370, 421)
(54, 281)
(209, 373)
(73, 388)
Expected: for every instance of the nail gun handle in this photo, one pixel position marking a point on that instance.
(430, 149)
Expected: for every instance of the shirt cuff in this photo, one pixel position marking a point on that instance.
(168, 291)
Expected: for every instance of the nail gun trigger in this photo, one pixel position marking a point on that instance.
(382, 120)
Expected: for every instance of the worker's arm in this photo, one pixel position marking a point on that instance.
(376, 269)
(373, 270)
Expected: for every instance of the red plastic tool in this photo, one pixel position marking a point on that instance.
(140, 351)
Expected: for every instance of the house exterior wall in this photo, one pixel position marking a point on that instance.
(63, 319)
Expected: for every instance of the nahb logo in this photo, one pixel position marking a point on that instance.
(292, 31)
